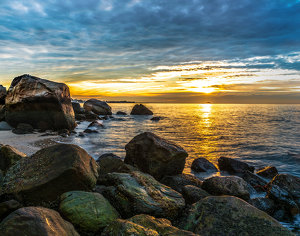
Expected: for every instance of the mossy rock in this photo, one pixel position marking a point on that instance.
(86, 210)
(227, 215)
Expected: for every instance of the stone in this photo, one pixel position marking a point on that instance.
(233, 165)
(203, 165)
(144, 225)
(97, 106)
(76, 107)
(156, 118)
(9, 156)
(23, 128)
(2, 113)
(264, 204)
(5, 126)
(139, 193)
(8, 207)
(193, 194)
(90, 116)
(90, 131)
(36, 221)
(50, 172)
(155, 155)
(121, 113)
(140, 109)
(96, 124)
(227, 185)
(41, 103)
(268, 172)
(177, 182)
(2, 95)
(289, 183)
(255, 181)
(89, 212)
(227, 215)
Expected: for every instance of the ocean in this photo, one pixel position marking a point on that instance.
(259, 134)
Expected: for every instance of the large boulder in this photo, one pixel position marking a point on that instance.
(289, 183)
(193, 194)
(264, 204)
(139, 193)
(144, 225)
(226, 185)
(9, 156)
(226, 215)
(177, 182)
(41, 103)
(36, 221)
(50, 172)
(254, 180)
(8, 207)
(203, 165)
(2, 95)
(140, 109)
(88, 211)
(97, 106)
(109, 163)
(233, 166)
(77, 108)
(155, 155)
(268, 172)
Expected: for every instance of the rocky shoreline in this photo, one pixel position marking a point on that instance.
(62, 190)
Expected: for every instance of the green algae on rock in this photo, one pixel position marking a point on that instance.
(86, 210)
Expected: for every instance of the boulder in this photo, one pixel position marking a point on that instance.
(109, 163)
(155, 155)
(139, 193)
(2, 113)
(98, 107)
(227, 215)
(203, 165)
(177, 182)
(227, 185)
(8, 207)
(264, 204)
(289, 183)
(91, 131)
(23, 128)
(156, 118)
(140, 109)
(90, 116)
(144, 225)
(121, 113)
(233, 166)
(5, 126)
(268, 172)
(254, 180)
(2, 95)
(77, 108)
(41, 103)
(193, 194)
(96, 124)
(36, 221)
(87, 211)
(9, 156)
(50, 172)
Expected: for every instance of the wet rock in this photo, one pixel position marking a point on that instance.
(81, 117)
(23, 128)
(91, 116)
(5, 126)
(89, 212)
(268, 172)
(144, 225)
(2, 95)
(8, 207)
(193, 194)
(156, 118)
(140, 109)
(81, 134)
(177, 182)
(289, 183)
(90, 131)
(36, 221)
(2, 113)
(139, 193)
(77, 108)
(121, 113)
(97, 106)
(203, 165)
(64, 133)
(50, 172)
(109, 163)
(255, 181)
(96, 124)
(227, 185)
(233, 166)
(155, 155)
(9, 156)
(41, 103)
(226, 215)
(264, 204)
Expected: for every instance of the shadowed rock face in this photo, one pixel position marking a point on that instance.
(155, 155)
(36, 221)
(41, 103)
(50, 172)
(140, 109)
(226, 215)
(2, 95)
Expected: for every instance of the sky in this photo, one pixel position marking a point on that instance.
(190, 51)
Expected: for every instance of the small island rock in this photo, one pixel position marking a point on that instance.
(140, 109)
(97, 106)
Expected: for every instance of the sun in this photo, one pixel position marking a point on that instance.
(200, 86)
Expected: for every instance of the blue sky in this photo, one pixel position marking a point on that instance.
(157, 50)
